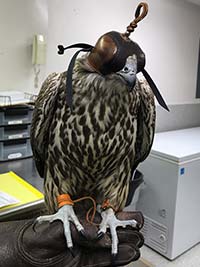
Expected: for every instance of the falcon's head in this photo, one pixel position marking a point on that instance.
(116, 53)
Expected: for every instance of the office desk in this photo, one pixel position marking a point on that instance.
(25, 168)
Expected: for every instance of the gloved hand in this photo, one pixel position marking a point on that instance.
(29, 244)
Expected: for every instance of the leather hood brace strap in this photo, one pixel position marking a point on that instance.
(86, 48)
(140, 14)
(155, 90)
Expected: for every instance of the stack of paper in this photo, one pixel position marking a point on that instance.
(14, 191)
(6, 199)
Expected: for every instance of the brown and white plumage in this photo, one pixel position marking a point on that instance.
(94, 149)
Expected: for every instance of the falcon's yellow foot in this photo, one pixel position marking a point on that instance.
(65, 214)
(109, 220)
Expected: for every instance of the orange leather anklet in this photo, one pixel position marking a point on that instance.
(64, 199)
(106, 205)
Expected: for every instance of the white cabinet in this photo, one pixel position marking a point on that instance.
(170, 198)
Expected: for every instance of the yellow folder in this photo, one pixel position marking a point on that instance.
(15, 186)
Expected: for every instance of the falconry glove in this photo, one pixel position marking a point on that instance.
(26, 244)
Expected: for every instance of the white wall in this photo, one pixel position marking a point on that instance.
(19, 21)
(169, 35)
(196, 2)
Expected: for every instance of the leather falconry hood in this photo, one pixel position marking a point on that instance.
(110, 53)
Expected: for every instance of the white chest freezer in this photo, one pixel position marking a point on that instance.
(170, 198)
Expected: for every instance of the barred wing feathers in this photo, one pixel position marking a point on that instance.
(146, 123)
(45, 106)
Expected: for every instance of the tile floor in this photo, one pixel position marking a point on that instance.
(191, 258)
(140, 263)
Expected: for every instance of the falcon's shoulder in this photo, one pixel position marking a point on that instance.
(145, 121)
(45, 105)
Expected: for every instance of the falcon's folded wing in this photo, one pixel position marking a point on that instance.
(42, 117)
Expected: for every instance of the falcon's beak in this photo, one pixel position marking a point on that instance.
(129, 71)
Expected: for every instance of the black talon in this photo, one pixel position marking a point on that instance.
(72, 252)
(113, 259)
(138, 226)
(83, 233)
(34, 224)
(100, 235)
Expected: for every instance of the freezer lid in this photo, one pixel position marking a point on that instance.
(177, 146)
